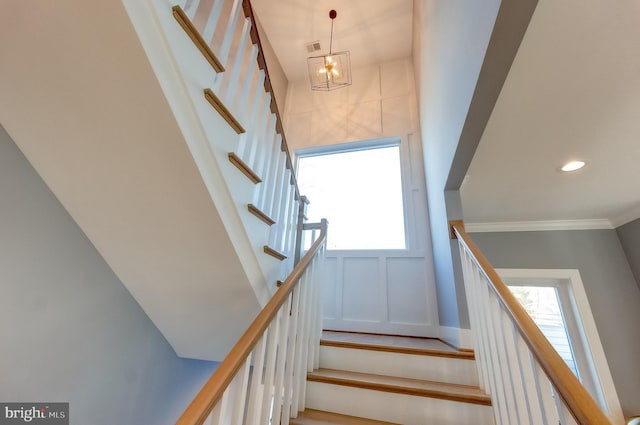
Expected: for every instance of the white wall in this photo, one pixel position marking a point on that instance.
(450, 41)
(463, 51)
(376, 290)
(381, 102)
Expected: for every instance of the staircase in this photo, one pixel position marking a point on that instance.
(374, 379)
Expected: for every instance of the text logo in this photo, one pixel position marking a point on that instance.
(34, 413)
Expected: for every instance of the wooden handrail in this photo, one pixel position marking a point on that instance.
(202, 405)
(579, 402)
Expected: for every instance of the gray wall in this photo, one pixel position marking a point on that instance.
(70, 331)
(629, 235)
(611, 289)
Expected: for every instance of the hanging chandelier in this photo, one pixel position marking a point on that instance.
(331, 71)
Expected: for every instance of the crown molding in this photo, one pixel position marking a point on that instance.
(537, 226)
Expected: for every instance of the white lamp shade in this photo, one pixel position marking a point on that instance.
(328, 72)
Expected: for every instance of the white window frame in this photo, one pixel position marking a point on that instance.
(407, 207)
(581, 326)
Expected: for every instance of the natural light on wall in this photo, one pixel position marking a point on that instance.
(359, 192)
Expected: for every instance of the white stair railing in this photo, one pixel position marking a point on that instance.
(225, 32)
(262, 380)
(528, 381)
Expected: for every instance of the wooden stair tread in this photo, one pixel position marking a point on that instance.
(416, 387)
(394, 344)
(197, 39)
(274, 253)
(319, 417)
(244, 168)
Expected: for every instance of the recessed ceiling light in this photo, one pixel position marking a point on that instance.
(573, 165)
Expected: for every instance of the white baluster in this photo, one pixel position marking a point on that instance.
(260, 122)
(506, 363)
(285, 202)
(266, 190)
(300, 360)
(282, 356)
(247, 138)
(494, 365)
(277, 199)
(270, 366)
(214, 416)
(543, 387)
(190, 8)
(230, 31)
(290, 362)
(255, 392)
(212, 21)
(311, 330)
(241, 397)
(527, 369)
(221, 413)
(479, 328)
(477, 288)
(567, 417)
(264, 157)
(242, 54)
(318, 317)
(474, 319)
(290, 241)
(519, 387)
(253, 82)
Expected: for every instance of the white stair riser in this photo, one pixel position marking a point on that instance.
(431, 368)
(393, 407)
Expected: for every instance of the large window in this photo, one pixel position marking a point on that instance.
(358, 188)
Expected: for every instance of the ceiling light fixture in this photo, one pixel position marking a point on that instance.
(573, 166)
(332, 71)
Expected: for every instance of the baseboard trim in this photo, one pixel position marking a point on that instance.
(459, 338)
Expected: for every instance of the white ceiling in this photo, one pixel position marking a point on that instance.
(373, 31)
(573, 92)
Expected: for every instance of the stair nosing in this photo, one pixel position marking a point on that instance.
(244, 168)
(463, 355)
(224, 112)
(195, 36)
(261, 215)
(274, 253)
(336, 417)
(444, 393)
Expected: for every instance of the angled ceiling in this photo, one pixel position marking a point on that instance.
(573, 92)
(83, 104)
(373, 31)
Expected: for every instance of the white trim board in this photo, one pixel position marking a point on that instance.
(536, 226)
(458, 337)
